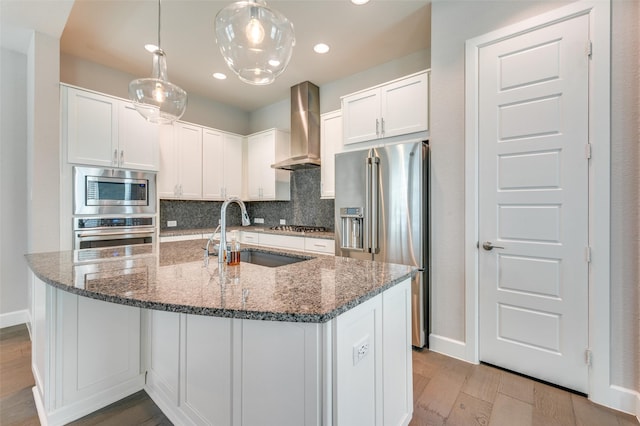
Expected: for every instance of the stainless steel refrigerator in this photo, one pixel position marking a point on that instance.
(381, 213)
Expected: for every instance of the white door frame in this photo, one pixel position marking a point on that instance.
(599, 12)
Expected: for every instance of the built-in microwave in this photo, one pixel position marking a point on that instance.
(113, 191)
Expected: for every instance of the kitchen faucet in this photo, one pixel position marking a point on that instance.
(223, 224)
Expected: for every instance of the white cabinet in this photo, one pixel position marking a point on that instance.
(396, 108)
(180, 173)
(104, 131)
(221, 165)
(330, 145)
(138, 140)
(264, 182)
(199, 163)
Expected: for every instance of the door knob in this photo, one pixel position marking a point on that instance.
(487, 245)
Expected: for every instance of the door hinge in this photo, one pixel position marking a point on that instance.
(587, 254)
(588, 357)
(587, 151)
(589, 49)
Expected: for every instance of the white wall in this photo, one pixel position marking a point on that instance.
(625, 193)
(13, 185)
(474, 18)
(90, 75)
(278, 114)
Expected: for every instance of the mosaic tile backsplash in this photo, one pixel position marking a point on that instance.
(304, 208)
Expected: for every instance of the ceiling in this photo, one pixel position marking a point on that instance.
(113, 33)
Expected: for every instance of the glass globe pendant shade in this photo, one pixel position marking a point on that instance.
(156, 98)
(255, 41)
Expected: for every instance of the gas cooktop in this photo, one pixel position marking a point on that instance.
(299, 228)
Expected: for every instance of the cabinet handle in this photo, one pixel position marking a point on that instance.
(377, 124)
(122, 157)
(382, 126)
(115, 157)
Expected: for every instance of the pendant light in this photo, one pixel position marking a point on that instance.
(156, 98)
(255, 41)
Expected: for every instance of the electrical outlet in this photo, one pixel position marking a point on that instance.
(258, 220)
(360, 350)
(283, 222)
(172, 223)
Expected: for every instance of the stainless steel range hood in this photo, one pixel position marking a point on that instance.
(305, 128)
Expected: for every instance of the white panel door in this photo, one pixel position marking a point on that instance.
(232, 155)
(533, 203)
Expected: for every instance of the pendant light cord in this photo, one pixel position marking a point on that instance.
(159, 23)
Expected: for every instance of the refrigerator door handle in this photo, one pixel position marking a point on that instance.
(367, 207)
(375, 226)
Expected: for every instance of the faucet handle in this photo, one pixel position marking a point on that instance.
(246, 221)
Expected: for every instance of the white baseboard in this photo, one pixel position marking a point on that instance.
(10, 319)
(449, 347)
(621, 399)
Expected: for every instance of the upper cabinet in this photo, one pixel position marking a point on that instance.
(108, 132)
(221, 165)
(263, 150)
(330, 145)
(396, 108)
(199, 163)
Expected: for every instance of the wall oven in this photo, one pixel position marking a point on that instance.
(113, 208)
(113, 192)
(98, 232)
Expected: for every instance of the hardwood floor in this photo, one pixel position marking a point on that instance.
(446, 392)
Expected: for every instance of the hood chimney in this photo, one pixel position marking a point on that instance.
(305, 128)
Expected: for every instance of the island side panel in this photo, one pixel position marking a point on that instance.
(372, 367)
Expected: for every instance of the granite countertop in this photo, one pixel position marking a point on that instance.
(327, 235)
(172, 277)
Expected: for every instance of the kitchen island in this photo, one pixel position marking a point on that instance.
(323, 341)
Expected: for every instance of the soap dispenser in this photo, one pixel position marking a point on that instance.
(233, 250)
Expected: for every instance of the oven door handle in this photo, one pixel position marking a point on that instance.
(111, 234)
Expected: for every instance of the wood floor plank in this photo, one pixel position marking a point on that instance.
(483, 383)
(589, 414)
(469, 411)
(516, 386)
(442, 390)
(508, 411)
(19, 409)
(552, 406)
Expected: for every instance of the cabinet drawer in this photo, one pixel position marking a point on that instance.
(282, 241)
(249, 237)
(319, 245)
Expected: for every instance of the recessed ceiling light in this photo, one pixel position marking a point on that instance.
(151, 47)
(359, 2)
(219, 75)
(321, 48)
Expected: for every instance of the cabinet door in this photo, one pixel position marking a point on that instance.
(91, 128)
(361, 115)
(404, 106)
(189, 144)
(138, 140)
(168, 174)
(232, 154)
(261, 177)
(213, 165)
(331, 144)
(164, 354)
(98, 345)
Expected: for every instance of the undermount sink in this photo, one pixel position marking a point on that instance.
(271, 260)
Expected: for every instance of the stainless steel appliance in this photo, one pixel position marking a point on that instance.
(381, 213)
(113, 191)
(97, 232)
